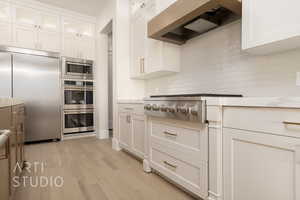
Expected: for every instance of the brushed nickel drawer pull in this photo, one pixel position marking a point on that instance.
(291, 123)
(170, 165)
(168, 133)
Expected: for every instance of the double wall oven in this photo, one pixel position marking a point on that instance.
(78, 93)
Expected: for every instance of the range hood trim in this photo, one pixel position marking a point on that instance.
(182, 12)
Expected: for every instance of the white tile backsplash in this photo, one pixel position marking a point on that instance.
(214, 63)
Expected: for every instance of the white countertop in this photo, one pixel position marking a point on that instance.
(6, 102)
(280, 102)
(130, 101)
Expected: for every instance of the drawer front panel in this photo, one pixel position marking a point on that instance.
(179, 168)
(187, 137)
(194, 179)
(277, 121)
(137, 109)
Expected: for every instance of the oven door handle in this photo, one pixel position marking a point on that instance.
(78, 89)
(68, 112)
(80, 64)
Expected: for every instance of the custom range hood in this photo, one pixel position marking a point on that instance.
(186, 19)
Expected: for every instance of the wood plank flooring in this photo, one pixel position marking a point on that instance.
(92, 171)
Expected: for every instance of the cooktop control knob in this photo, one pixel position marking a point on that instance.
(147, 107)
(183, 110)
(163, 108)
(171, 109)
(155, 107)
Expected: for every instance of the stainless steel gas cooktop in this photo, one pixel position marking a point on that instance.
(188, 107)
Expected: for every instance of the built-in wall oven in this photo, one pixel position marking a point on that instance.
(78, 121)
(77, 68)
(78, 94)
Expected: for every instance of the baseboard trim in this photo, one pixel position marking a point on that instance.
(116, 144)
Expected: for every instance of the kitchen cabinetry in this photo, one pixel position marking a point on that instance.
(12, 118)
(261, 155)
(35, 27)
(260, 166)
(79, 39)
(4, 155)
(132, 124)
(150, 58)
(270, 26)
(5, 24)
(179, 151)
(36, 30)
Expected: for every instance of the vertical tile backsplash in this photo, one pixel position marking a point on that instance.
(214, 63)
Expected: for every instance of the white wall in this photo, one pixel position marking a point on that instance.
(214, 63)
(118, 12)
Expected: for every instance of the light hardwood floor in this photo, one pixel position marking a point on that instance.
(93, 171)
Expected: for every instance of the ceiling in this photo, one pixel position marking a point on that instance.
(88, 7)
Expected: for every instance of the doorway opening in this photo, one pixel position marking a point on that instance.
(110, 83)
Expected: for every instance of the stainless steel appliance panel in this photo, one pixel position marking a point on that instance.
(76, 121)
(5, 75)
(77, 68)
(37, 82)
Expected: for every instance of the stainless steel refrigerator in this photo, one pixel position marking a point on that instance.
(34, 77)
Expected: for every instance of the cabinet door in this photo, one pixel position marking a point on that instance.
(5, 34)
(4, 174)
(49, 23)
(70, 48)
(49, 41)
(138, 134)
(26, 37)
(5, 12)
(138, 37)
(260, 166)
(276, 25)
(86, 29)
(86, 48)
(27, 17)
(124, 130)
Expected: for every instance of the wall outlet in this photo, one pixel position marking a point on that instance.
(298, 79)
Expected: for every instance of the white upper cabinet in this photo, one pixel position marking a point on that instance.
(25, 37)
(5, 12)
(5, 24)
(49, 23)
(5, 34)
(27, 17)
(79, 39)
(36, 30)
(149, 58)
(270, 26)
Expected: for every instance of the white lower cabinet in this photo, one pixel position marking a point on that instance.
(138, 134)
(260, 166)
(124, 129)
(132, 130)
(180, 153)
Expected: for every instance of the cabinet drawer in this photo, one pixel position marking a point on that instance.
(137, 109)
(176, 166)
(279, 121)
(187, 137)
(193, 178)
